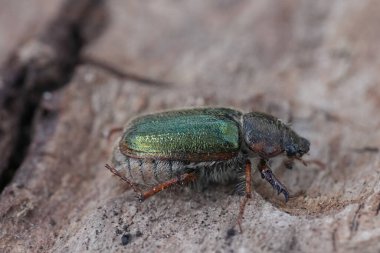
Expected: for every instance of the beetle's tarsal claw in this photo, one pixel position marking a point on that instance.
(268, 175)
(286, 195)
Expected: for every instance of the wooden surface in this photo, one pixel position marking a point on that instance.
(314, 64)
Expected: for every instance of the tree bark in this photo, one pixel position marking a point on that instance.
(95, 65)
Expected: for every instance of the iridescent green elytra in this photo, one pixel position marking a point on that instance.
(192, 135)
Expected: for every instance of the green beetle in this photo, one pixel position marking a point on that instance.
(203, 145)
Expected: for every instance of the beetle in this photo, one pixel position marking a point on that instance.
(203, 145)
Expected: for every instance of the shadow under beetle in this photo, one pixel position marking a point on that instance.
(202, 145)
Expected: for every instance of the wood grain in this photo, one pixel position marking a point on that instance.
(314, 64)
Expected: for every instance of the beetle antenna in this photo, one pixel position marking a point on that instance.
(301, 160)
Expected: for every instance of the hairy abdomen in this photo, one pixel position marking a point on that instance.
(149, 172)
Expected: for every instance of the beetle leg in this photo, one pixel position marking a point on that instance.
(267, 174)
(248, 192)
(133, 186)
(181, 179)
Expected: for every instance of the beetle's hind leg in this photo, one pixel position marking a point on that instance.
(248, 192)
(267, 174)
(180, 179)
(132, 185)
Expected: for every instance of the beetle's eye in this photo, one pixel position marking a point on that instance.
(291, 151)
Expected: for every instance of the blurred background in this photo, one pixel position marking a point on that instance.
(72, 70)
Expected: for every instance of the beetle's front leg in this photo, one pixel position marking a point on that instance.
(267, 174)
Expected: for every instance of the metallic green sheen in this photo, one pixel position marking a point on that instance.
(184, 132)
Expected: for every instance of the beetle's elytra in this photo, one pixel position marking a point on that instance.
(202, 145)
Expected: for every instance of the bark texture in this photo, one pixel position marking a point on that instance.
(95, 65)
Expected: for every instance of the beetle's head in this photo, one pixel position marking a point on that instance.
(295, 146)
(269, 137)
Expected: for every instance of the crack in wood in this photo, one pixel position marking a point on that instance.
(123, 74)
(367, 149)
(49, 65)
(355, 221)
(333, 237)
